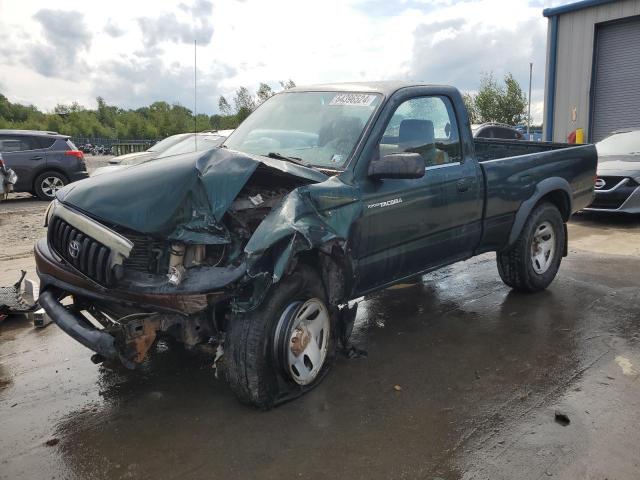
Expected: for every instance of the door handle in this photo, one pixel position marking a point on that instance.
(37, 157)
(463, 185)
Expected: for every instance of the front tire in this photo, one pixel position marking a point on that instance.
(286, 346)
(532, 262)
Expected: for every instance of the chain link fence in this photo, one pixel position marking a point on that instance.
(115, 146)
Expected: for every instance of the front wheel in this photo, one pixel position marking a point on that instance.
(286, 346)
(532, 262)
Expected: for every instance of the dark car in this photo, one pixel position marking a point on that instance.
(324, 194)
(496, 130)
(44, 161)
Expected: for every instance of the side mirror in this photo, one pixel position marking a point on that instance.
(398, 165)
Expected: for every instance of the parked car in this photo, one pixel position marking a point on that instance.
(254, 250)
(496, 130)
(535, 134)
(186, 144)
(154, 150)
(43, 161)
(618, 182)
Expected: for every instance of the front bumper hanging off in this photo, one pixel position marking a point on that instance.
(78, 327)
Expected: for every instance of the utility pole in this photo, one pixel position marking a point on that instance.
(529, 110)
(195, 93)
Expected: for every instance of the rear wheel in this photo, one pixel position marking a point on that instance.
(48, 183)
(532, 262)
(286, 346)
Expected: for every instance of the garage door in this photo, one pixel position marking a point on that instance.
(616, 100)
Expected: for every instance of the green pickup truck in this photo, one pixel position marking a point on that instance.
(253, 251)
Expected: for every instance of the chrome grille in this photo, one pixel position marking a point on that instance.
(91, 257)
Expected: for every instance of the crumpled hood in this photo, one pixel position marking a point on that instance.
(157, 197)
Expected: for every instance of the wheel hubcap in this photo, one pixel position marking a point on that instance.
(302, 338)
(50, 185)
(543, 247)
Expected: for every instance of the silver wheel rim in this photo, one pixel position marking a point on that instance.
(307, 339)
(543, 247)
(50, 185)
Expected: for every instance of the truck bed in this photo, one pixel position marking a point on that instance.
(511, 180)
(493, 148)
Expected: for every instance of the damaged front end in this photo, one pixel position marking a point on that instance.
(171, 247)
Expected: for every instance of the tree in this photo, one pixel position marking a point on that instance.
(288, 84)
(223, 106)
(469, 102)
(244, 100)
(160, 119)
(264, 93)
(496, 103)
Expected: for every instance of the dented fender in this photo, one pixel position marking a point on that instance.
(310, 217)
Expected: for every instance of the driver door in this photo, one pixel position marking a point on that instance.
(412, 225)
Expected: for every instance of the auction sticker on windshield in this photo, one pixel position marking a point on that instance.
(360, 99)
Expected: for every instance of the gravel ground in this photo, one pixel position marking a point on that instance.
(22, 215)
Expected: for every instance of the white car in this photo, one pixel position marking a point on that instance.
(187, 142)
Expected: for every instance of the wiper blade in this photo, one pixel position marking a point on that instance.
(296, 160)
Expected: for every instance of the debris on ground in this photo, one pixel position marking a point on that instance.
(52, 442)
(18, 298)
(562, 418)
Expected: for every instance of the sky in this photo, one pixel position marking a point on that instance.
(135, 52)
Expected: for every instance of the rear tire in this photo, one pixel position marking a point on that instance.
(258, 361)
(532, 262)
(48, 183)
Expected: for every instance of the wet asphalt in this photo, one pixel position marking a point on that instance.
(462, 380)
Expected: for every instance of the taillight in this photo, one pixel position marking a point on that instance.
(75, 153)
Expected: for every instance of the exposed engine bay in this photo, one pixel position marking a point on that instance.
(201, 283)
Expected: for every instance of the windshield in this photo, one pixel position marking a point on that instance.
(188, 145)
(319, 128)
(141, 158)
(162, 145)
(627, 143)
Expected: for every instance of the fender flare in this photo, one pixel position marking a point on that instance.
(543, 188)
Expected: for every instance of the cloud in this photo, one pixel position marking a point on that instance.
(168, 28)
(138, 82)
(457, 53)
(113, 30)
(66, 36)
(197, 8)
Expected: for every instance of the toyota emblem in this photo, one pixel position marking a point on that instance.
(600, 183)
(74, 248)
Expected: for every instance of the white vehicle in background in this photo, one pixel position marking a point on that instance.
(152, 151)
(186, 142)
(618, 183)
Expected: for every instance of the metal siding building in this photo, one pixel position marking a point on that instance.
(592, 76)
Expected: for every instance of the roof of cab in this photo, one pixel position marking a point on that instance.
(386, 88)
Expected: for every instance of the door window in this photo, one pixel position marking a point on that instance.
(43, 142)
(424, 125)
(10, 144)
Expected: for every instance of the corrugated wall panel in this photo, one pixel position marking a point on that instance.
(616, 99)
(574, 61)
